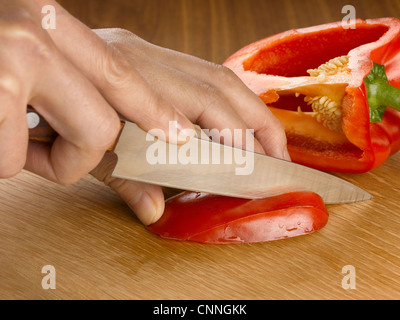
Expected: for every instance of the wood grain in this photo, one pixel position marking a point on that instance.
(101, 251)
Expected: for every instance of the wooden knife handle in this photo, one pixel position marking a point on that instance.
(41, 131)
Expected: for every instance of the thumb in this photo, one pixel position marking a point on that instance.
(145, 200)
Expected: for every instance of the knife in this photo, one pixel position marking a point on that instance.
(205, 166)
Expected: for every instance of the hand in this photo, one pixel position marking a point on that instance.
(80, 83)
(80, 98)
(33, 70)
(208, 94)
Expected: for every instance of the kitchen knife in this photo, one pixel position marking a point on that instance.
(205, 166)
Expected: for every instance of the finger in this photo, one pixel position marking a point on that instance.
(69, 102)
(268, 129)
(146, 201)
(117, 80)
(86, 124)
(201, 103)
(13, 132)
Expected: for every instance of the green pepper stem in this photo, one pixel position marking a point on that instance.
(380, 93)
(383, 94)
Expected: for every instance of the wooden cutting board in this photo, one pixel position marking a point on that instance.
(99, 250)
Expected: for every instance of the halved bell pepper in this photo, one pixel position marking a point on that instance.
(216, 219)
(335, 90)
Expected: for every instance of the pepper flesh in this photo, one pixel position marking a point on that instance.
(344, 140)
(216, 219)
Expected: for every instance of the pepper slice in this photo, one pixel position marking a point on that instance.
(216, 219)
(328, 87)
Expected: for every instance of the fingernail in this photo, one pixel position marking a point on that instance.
(286, 155)
(144, 207)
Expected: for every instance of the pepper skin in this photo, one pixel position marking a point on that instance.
(216, 219)
(359, 144)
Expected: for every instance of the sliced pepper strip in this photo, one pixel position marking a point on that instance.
(216, 219)
(361, 144)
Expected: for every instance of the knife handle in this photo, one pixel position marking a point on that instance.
(41, 131)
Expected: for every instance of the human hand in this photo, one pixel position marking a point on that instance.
(79, 98)
(73, 77)
(33, 70)
(208, 94)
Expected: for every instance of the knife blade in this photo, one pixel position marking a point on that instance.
(205, 166)
(268, 176)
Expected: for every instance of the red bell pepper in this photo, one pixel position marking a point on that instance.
(327, 85)
(216, 219)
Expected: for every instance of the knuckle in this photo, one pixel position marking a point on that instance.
(106, 134)
(154, 105)
(98, 135)
(212, 96)
(10, 87)
(115, 68)
(226, 76)
(24, 37)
